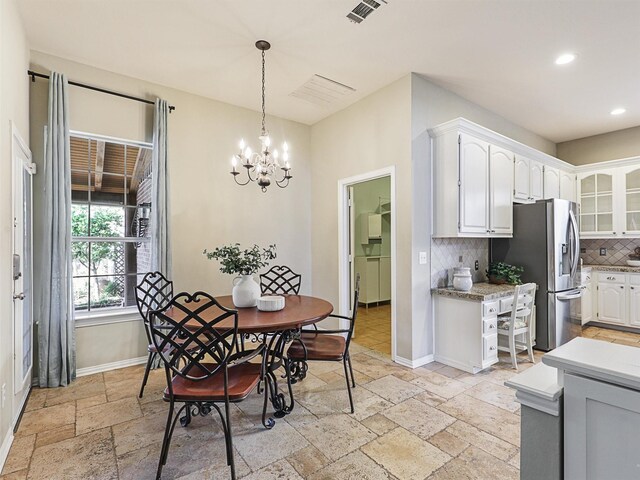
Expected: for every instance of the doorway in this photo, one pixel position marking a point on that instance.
(22, 270)
(367, 251)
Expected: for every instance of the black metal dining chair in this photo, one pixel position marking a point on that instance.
(152, 293)
(326, 346)
(280, 280)
(201, 367)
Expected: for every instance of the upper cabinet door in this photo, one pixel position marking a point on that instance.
(551, 182)
(474, 185)
(631, 202)
(536, 177)
(521, 184)
(567, 186)
(500, 186)
(597, 204)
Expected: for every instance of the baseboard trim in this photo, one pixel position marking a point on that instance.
(105, 367)
(414, 363)
(5, 447)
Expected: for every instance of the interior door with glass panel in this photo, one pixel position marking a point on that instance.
(22, 271)
(596, 204)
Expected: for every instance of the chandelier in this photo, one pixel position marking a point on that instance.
(265, 165)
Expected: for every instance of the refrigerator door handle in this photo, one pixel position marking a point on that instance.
(572, 295)
(576, 244)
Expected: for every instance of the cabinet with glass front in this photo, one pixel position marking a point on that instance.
(597, 204)
(631, 201)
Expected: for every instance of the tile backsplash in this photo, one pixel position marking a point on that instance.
(618, 251)
(445, 253)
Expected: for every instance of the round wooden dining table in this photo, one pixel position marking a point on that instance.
(273, 329)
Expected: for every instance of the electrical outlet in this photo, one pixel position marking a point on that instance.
(477, 265)
(460, 259)
(4, 395)
(422, 258)
(603, 252)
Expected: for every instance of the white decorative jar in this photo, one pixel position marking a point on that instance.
(462, 279)
(245, 291)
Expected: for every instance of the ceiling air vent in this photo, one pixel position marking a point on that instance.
(322, 91)
(363, 10)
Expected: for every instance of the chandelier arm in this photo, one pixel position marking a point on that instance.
(235, 177)
(284, 175)
(282, 183)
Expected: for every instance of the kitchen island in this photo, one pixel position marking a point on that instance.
(591, 389)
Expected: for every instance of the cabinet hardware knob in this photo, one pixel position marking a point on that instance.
(624, 233)
(492, 348)
(621, 286)
(493, 326)
(633, 288)
(614, 233)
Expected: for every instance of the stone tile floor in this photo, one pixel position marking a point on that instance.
(433, 422)
(373, 328)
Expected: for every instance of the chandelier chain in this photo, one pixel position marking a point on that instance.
(263, 94)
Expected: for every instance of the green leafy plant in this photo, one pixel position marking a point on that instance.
(235, 261)
(500, 272)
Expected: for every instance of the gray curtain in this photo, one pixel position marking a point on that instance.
(160, 241)
(56, 329)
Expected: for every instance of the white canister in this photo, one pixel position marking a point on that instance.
(245, 291)
(462, 279)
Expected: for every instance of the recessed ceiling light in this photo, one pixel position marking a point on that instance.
(618, 111)
(565, 58)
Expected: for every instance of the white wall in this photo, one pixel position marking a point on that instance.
(14, 107)
(599, 148)
(207, 208)
(371, 134)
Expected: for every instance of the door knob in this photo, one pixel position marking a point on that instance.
(19, 296)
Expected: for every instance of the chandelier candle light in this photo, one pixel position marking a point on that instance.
(264, 165)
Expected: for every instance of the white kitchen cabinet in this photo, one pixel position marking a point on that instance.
(474, 182)
(551, 182)
(375, 279)
(630, 201)
(528, 180)
(536, 178)
(500, 186)
(598, 200)
(612, 299)
(586, 301)
(371, 227)
(634, 305)
(567, 186)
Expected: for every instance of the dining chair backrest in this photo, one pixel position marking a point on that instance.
(189, 337)
(152, 293)
(523, 300)
(280, 280)
(354, 311)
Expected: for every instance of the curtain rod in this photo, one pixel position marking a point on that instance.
(33, 76)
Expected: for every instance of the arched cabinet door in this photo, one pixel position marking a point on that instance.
(596, 204)
(500, 186)
(474, 179)
(631, 202)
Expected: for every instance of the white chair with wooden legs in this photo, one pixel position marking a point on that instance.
(520, 321)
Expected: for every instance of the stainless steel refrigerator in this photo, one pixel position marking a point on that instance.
(546, 244)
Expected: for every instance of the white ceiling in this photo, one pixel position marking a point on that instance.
(498, 54)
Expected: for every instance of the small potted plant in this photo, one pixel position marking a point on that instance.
(244, 264)
(501, 273)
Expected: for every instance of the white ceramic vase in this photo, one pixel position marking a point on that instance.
(462, 279)
(245, 291)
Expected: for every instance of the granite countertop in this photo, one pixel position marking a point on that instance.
(609, 362)
(612, 268)
(480, 291)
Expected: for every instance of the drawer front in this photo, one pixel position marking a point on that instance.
(489, 347)
(506, 304)
(490, 326)
(611, 277)
(490, 309)
(634, 279)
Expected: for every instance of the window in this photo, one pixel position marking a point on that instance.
(111, 201)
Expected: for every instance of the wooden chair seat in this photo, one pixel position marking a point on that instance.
(318, 347)
(243, 379)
